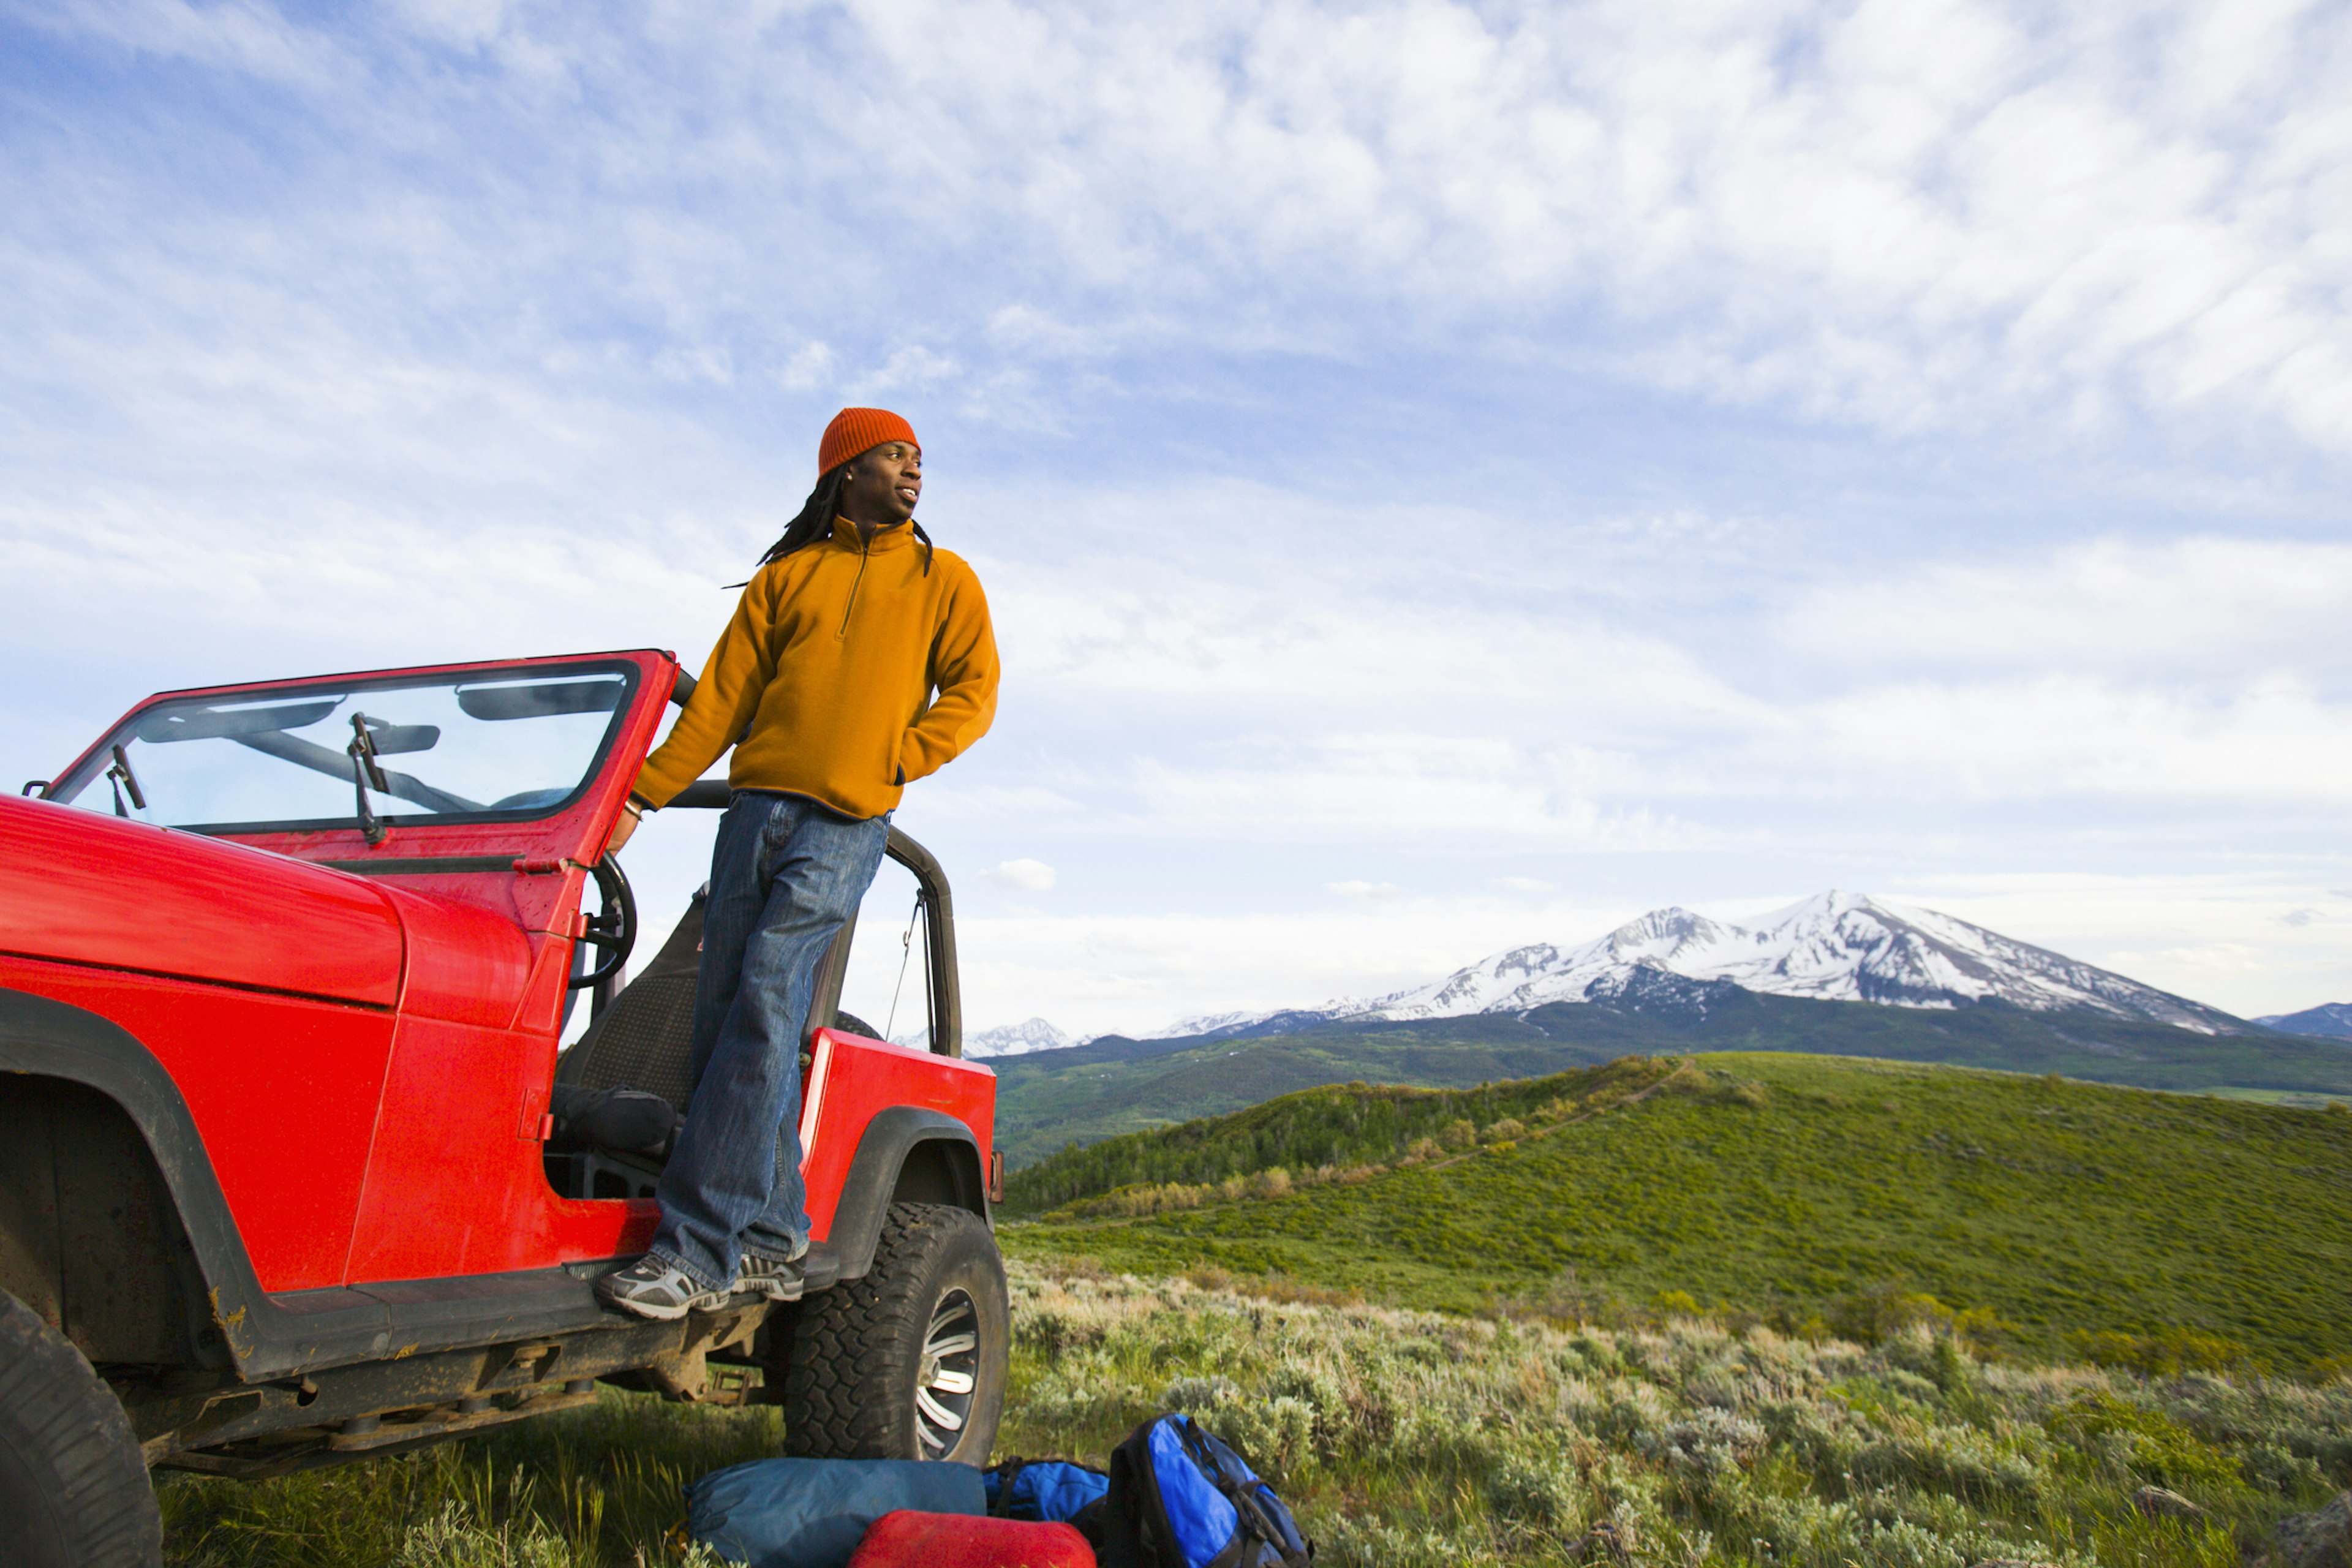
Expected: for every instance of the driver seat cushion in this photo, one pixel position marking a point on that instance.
(624, 1120)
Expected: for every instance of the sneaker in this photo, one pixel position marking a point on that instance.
(652, 1288)
(769, 1277)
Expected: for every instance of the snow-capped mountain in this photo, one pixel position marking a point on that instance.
(1836, 946)
(1233, 1026)
(1012, 1039)
(2328, 1021)
(1207, 1026)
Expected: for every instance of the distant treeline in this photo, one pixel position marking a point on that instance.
(1339, 1127)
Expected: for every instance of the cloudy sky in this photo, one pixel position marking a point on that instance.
(1446, 476)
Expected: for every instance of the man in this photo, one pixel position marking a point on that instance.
(860, 658)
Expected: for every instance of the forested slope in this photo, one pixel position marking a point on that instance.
(1773, 1184)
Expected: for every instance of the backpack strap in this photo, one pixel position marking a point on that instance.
(1003, 1475)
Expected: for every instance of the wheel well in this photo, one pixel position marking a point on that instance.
(941, 1170)
(90, 1240)
(908, 1154)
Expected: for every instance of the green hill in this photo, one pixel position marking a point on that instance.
(1786, 1185)
(1050, 1099)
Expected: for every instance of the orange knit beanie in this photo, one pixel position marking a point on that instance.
(858, 430)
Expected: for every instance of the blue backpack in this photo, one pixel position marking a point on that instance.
(1181, 1498)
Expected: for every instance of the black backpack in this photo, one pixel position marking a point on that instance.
(1181, 1498)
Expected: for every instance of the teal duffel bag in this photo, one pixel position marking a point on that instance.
(811, 1513)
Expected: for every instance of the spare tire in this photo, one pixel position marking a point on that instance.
(909, 1361)
(73, 1485)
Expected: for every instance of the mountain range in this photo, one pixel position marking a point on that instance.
(1836, 946)
(2328, 1021)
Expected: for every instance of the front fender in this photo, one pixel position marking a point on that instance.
(56, 1039)
(270, 1336)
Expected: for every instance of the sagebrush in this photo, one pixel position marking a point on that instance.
(1414, 1438)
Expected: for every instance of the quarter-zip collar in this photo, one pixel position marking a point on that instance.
(849, 536)
(896, 536)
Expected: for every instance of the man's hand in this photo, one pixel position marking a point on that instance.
(621, 830)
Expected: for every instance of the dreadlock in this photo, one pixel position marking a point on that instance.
(816, 514)
(815, 520)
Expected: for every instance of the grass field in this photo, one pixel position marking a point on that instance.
(1051, 1099)
(578, 1490)
(1410, 1439)
(1769, 1312)
(1777, 1185)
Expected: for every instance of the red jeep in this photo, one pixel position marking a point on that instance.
(282, 973)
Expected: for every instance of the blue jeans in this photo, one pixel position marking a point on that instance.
(784, 876)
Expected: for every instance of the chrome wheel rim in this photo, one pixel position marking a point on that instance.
(949, 1373)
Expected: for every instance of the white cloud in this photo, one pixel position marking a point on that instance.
(2263, 739)
(467, 24)
(1902, 215)
(913, 367)
(1026, 876)
(2127, 606)
(810, 366)
(252, 39)
(1905, 215)
(2191, 672)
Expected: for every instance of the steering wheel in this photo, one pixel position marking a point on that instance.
(613, 927)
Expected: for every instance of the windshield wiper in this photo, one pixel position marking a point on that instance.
(120, 776)
(337, 765)
(364, 768)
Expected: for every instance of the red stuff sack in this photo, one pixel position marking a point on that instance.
(960, 1541)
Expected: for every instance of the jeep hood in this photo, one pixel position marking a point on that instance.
(105, 892)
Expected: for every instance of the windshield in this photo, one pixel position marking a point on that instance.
(440, 748)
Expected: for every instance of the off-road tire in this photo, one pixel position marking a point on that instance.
(73, 1485)
(850, 1393)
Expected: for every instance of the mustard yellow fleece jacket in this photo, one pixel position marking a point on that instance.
(824, 680)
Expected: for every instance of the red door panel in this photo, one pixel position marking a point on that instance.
(458, 1184)
(283, 1091)
(457, 1174)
